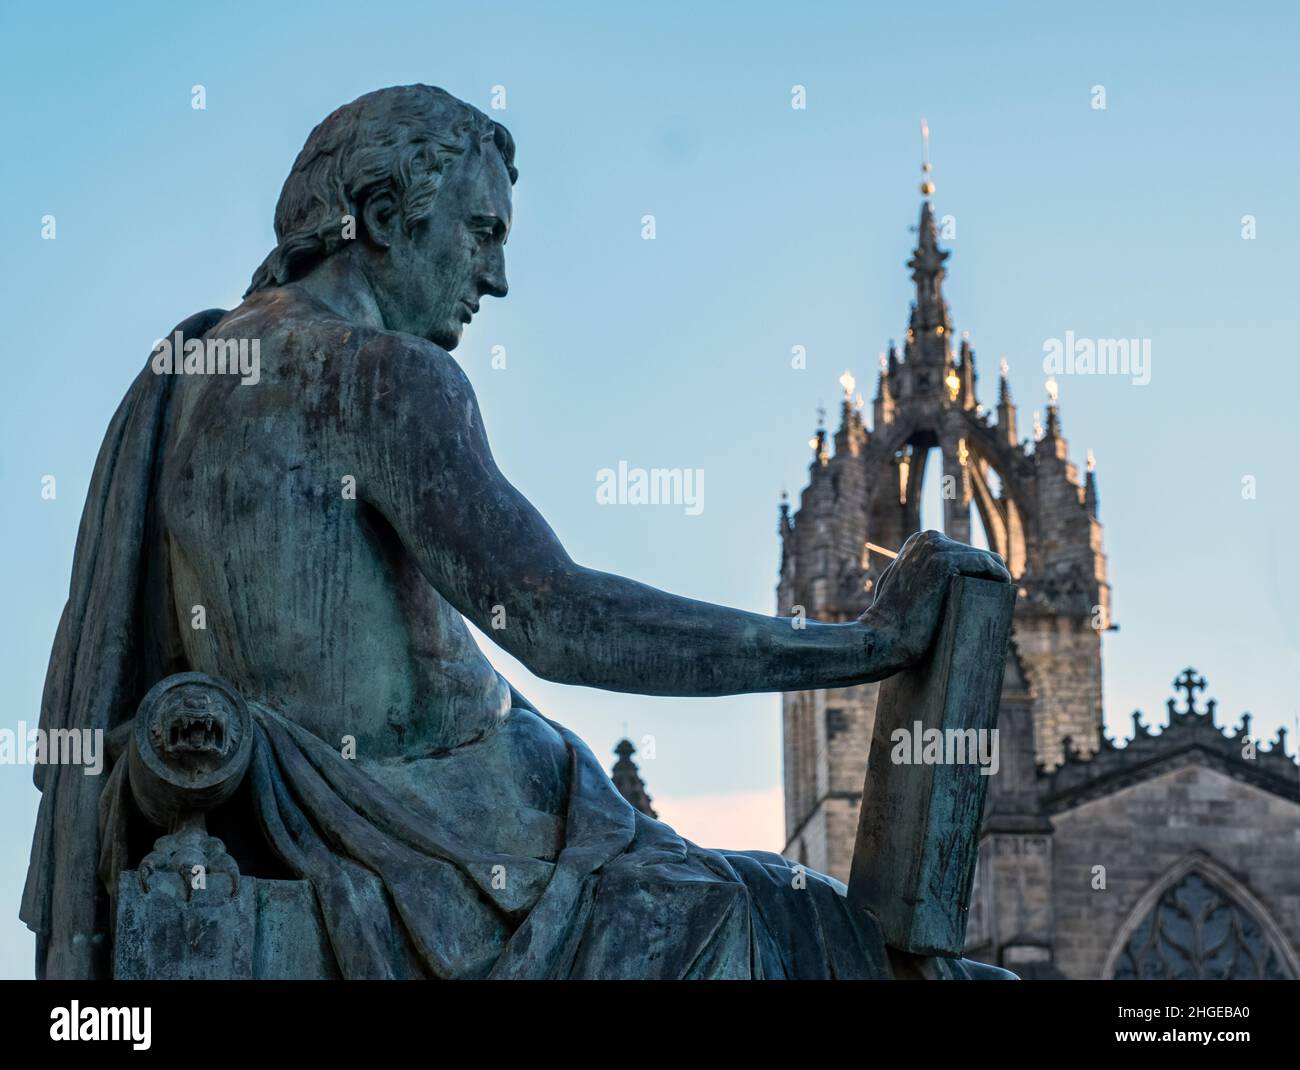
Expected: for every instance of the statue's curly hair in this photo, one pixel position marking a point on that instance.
(399, 138)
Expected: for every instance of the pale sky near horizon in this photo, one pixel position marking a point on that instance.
(775, 227)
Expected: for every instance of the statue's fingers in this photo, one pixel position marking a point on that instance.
(981, 564)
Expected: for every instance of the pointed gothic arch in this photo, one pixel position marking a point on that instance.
(1197, 921)
(893, 505)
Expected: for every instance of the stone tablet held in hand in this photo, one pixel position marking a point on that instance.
(918, 832)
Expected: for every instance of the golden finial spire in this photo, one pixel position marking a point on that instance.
(927, 186)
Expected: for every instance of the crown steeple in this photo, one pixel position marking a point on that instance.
(868, 490)
(930, 327)
(929, 310)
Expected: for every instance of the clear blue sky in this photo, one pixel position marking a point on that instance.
(775, 227)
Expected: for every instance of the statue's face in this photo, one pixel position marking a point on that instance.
(438, 274)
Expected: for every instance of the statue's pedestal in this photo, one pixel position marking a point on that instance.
(268, 930)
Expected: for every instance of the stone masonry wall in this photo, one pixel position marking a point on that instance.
(1141, 832)
(831, 739)
(1062, 662)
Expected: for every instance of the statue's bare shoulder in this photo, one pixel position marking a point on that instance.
(410, 386)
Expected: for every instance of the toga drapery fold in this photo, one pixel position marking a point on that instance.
(101, 666)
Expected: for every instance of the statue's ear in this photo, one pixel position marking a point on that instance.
(381, 217)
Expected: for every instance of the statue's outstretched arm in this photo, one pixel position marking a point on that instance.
(425, 464)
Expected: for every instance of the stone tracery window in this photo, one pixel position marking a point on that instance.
(1195, 932)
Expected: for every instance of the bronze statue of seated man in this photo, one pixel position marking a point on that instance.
(331, 525)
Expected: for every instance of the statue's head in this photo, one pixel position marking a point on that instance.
(414, 186)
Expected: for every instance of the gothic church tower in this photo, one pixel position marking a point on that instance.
(863, 499)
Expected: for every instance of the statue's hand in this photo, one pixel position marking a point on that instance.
(909, 596)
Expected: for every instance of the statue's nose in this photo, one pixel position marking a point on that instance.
(492, 279)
